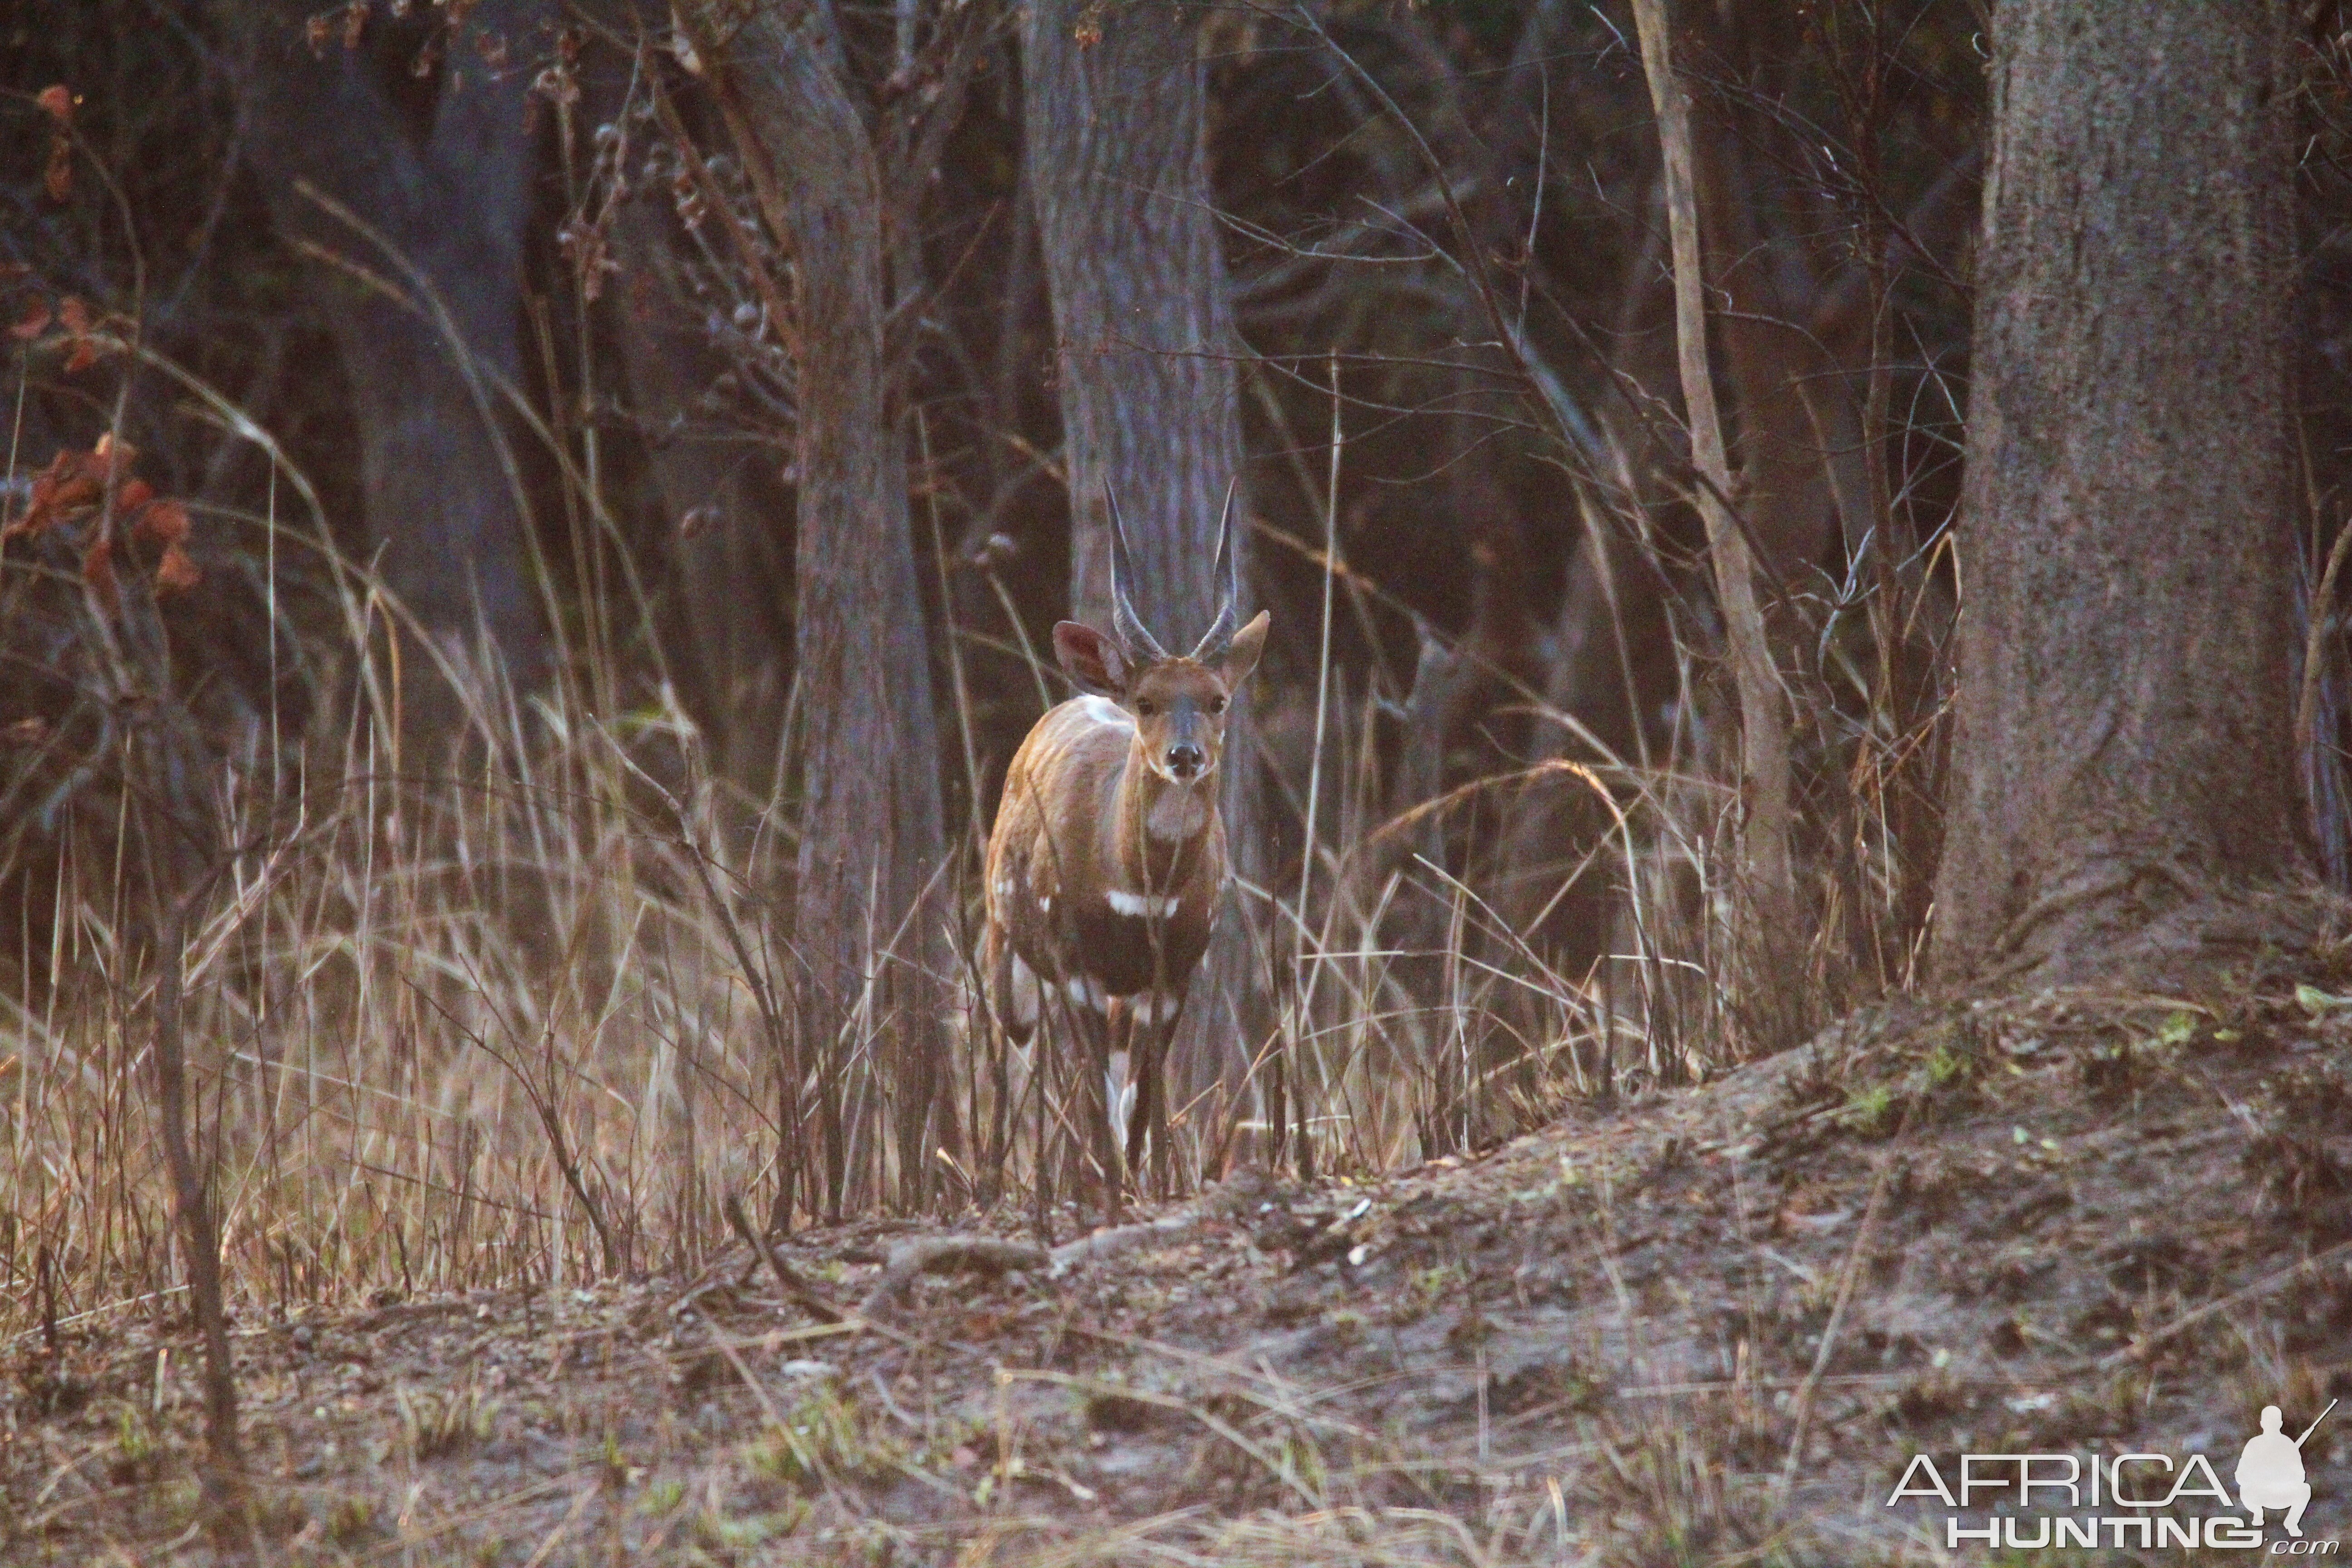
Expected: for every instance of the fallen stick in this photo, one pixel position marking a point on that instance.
(946, 1255)
(801, 1292)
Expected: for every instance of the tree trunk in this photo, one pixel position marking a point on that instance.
(872, 842)
(2123, 780)
(723, 501)
(440, 168)
(1118, 162)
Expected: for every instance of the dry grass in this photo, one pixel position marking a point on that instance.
(512, 1012)
(508, 1009)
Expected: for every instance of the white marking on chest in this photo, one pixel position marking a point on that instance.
(1103, 710)
(1141, 906)
(1177, 816)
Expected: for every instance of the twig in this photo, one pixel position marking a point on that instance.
(1764, 742)
(1804, 1414)
(945, 1255)
(2139, 1348)
(803, 1293)
(199, 1232)
(2314, 645)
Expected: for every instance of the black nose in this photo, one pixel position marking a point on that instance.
(1185, 759)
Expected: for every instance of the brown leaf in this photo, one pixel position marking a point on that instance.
(57, 178)
(165, 523)
(133, 496)
(176, 572)
(57, 100)
(72, 481)
(315, 34)
(113, 457)
(354, 23)
(29, 732)
(74, 316)
(33, 322)
(97, 571)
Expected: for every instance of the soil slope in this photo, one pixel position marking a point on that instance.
(1714, 1326)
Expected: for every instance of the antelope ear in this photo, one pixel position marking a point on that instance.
(1090, 659)
(1241, 654)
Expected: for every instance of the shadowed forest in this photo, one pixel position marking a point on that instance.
(1801, 541)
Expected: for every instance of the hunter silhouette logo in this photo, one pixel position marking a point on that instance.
(2270, 1472)
(2145, 1499)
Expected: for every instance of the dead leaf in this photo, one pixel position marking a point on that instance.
(57, 101)
(115, 456)
(71, 482)
(97, 571)
(33, 322)
(165, 522)
(74, 316)
(177, 571)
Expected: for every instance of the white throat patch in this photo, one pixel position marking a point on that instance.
(1177, 814)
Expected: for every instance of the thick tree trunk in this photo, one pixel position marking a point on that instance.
(1118, 163)
(2123, 776)
(872, 841)
(440, 169)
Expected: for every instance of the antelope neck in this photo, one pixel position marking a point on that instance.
(1159, 825)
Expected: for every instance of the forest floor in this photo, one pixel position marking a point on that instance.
(1713, 1326)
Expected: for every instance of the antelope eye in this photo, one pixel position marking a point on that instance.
(1216, 704)
(1145, 707)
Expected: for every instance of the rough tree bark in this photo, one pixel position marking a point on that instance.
(872, 841)
(440, 167)
(2123, 793)
(1117, 160)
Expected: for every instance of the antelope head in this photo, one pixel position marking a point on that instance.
(1178, 702)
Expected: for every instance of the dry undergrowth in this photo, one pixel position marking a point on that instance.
(2062, 1226)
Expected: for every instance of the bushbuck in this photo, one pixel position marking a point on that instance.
(1108, 857)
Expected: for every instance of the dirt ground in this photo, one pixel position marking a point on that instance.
(1714, 1326)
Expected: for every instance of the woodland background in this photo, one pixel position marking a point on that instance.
(531, 527)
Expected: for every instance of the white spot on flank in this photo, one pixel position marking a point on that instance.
(1086, 992)
(1103, 710)
(1141, 906)
(1003, 889)
(1024, 1000)
(1044, 903)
